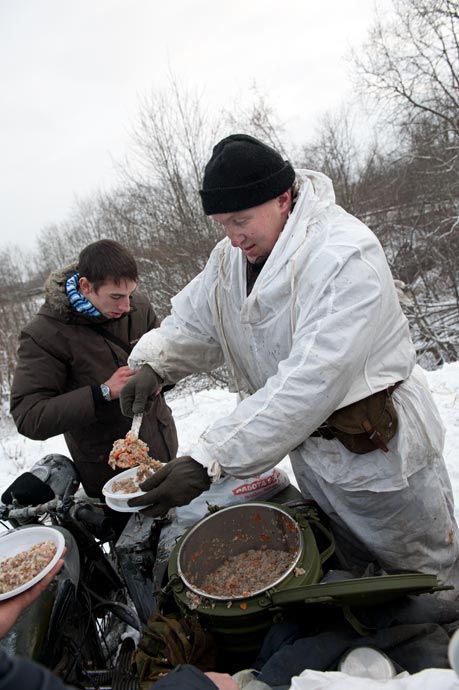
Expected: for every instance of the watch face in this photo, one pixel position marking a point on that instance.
(105, 391)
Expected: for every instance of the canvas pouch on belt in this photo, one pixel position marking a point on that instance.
(365, 425)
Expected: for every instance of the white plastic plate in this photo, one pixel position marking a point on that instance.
(127, 474)
(22, 539)
(122, 506)
(119, 501)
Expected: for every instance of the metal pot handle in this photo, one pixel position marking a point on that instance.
(329, 550)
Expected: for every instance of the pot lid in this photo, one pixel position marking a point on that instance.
(362, 591)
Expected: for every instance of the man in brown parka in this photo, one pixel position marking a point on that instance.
(72, 363)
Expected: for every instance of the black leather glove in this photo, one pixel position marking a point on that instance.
(138, 393)
(175, 484)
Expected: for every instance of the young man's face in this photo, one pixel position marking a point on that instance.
(111, 300)
(256, 230)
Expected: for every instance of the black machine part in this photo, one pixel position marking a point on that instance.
(53, 475)
(58, 472)
(137, 549)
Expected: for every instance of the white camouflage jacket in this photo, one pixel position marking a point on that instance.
(322, 328)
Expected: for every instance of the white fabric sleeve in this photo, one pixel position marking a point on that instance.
(186, 342)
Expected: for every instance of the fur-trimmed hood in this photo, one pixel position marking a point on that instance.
(55, 293)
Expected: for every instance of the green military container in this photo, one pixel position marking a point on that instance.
(239, 622)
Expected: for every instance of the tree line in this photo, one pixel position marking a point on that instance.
(393, 156)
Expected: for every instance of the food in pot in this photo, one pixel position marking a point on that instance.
(130, 451)
(248, 572)
(130, 485)
(194, 600)
(23, 567)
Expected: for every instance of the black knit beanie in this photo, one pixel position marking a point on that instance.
(242, 173)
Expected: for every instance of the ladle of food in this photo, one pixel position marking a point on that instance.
(131, 450)
(136, 424)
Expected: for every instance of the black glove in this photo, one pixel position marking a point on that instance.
(138, 393)
(175, 484)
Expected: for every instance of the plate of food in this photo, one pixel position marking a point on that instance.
(122, 506)
(26, 555)
(124, 486)
(131, 454)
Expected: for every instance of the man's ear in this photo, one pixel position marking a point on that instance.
(85, 286)
(285, 200)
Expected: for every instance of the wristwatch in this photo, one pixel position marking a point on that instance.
(105, 390)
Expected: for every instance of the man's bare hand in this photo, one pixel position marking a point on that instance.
(223, 681)
(118, 380)
(11, 609)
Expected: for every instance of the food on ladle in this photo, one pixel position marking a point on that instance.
(131, 451)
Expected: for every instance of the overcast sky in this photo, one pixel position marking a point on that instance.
(72, 73)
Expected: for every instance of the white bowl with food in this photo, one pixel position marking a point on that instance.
(122, 506)
(26, 556)
(120, 489)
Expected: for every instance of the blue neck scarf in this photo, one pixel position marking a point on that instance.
(76, 299)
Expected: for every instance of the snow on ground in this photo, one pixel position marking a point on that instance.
(444, 384)
(195, 412)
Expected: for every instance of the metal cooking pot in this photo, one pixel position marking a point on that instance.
(239, 623)
(232, 532)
